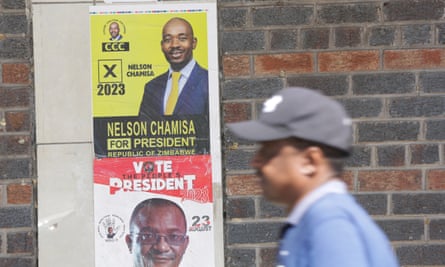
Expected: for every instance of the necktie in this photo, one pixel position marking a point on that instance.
(173, 97)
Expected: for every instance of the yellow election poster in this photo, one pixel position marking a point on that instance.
(133, 66)
(154, 76)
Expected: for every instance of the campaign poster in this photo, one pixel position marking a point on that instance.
(154, 78)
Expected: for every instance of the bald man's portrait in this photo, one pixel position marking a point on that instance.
(158, 234)
(184, 88)
(115, 31)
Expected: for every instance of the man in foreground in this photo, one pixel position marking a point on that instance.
(157, 234)
(304, 138)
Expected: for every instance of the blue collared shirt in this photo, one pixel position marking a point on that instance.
(332, 186)
(328, 228)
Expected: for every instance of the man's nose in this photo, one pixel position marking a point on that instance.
(161, 245)
(175, 41)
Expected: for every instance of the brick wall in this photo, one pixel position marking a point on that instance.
(385, 61)
(17, 198)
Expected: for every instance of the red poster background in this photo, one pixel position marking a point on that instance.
(187, 177)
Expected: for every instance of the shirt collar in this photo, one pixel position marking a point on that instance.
(332, 186)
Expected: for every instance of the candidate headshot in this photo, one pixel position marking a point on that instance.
(183, 88)
(114, 31)
(158, 234)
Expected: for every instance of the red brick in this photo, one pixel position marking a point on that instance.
(348, 178)
(348, 61)
(236, 66)
(17, 121)
(289, 63)
(243, 185)
(414, 59)
(389, 180)
(436, 179)
(17, 73)
(236, 112)
(19, 193)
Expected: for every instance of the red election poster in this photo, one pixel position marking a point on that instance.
(154, 77)
(185, 177)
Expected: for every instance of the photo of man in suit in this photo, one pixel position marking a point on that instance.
(183, 88)
(114, 30)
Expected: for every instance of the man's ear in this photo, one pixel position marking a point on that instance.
(195, 42)
(314, 157)
(307, 170)
(186, 242)
(129, 242)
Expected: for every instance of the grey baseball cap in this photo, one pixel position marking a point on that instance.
(302, 113)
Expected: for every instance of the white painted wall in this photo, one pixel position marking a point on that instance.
(63, 122)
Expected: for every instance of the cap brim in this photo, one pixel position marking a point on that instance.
(257, 131)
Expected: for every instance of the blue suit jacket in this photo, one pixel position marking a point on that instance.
(193, 100)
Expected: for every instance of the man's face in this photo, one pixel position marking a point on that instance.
(158, 238)
(277, 163)
(114, 29)
(178, 43)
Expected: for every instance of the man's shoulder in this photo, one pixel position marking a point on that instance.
(200, 74)
(333, 205)
(200, 69)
